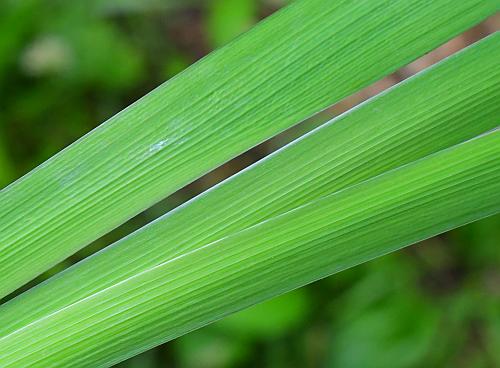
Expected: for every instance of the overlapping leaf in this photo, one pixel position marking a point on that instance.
(290, 66)
(267, 245)
(364, 221)
(372, 181)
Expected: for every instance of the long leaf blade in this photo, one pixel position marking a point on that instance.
(452, 102)
(364, 221)
(290, 66)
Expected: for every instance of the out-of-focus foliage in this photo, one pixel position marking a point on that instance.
(67, 65)
(228, 18)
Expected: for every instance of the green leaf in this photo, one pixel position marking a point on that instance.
(297, 62)
(380, 215)
(445, 105)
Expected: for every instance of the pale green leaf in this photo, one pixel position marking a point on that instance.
(445, 105)
(297, 62)
(380, 215)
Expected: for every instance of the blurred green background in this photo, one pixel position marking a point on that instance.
(66, 66)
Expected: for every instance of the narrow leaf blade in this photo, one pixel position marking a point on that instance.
(297, 62)
(367, 220)
(445, 105)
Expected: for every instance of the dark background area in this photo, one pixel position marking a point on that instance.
(66, 66)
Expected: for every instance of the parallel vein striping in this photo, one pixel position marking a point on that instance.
(380, 215)
(293, 64)
(447, 104)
